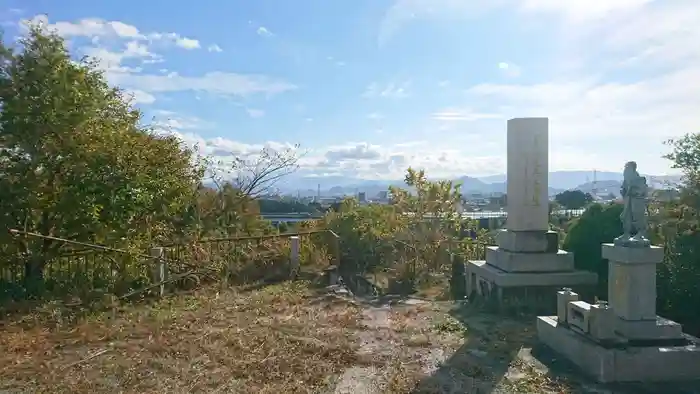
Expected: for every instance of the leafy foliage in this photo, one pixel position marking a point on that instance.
(409, 238)
(676, 226)
(75, 161)
(573, 199)
(284, 206)
(597, 225)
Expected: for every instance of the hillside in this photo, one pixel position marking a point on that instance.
(558, 182)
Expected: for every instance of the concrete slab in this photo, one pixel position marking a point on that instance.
(529, 262)
(528, 241)
(627, 255)
(659, 328)
(517, 279)
(632, 364)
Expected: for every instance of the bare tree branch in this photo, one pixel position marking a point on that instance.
(256, 174)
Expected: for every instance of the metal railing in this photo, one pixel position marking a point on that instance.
(78, 269)
(250, 258)
(82, 269)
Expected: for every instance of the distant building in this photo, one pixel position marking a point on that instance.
(362, 196)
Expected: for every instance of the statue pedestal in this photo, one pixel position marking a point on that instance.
(632, 280)
(624, 341)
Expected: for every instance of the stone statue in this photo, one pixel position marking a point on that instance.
(634, 219)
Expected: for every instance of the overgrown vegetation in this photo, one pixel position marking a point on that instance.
(79, 164)
(410, 240)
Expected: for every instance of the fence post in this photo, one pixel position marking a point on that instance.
(294, 255)
(157, 254)
(336, 245)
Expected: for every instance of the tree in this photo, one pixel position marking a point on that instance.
(284, 206)
(675, 224)
(573, 199)
(233, 208)
(76, 162)
(255, 174)
(409, 237)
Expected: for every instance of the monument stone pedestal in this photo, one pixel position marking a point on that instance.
(526, 266)
(623, 340)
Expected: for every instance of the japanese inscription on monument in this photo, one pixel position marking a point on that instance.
(527, 174)
(537, 172)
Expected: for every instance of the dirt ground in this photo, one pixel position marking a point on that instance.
(287, 338)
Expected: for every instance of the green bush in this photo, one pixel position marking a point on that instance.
(597, 225)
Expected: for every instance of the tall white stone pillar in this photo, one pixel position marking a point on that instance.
(528, 169)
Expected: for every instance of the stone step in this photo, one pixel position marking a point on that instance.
(560, 261)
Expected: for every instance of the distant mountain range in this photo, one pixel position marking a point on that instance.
(606, 182)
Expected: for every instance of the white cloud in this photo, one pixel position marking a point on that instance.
(581, 10)
(403, 12)
(633, 83)
(255, 113)
(371, 161)
(509, 69)
(171, 122)
(99, 28)
(187, 43)
(464, 115)
(112, 61)
(620, 78)
(391, 90)
(214, 48)
(141, 97)
(135, 49)
(360, 159)
(221, 83)
(263, 31)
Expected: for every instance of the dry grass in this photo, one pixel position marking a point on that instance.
(277, 339)
(282, 339)
(471, 352)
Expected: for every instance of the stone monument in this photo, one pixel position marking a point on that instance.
(527, 264)
(624, 340)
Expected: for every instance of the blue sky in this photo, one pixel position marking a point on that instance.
(368, 87)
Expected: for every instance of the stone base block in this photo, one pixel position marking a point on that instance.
(631, 364)
(628, 255)
(528, 241)
(503, 278)
(529, 262)
(648, 329)
(534, 291)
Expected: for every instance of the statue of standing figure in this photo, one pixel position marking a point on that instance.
(634, 215)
